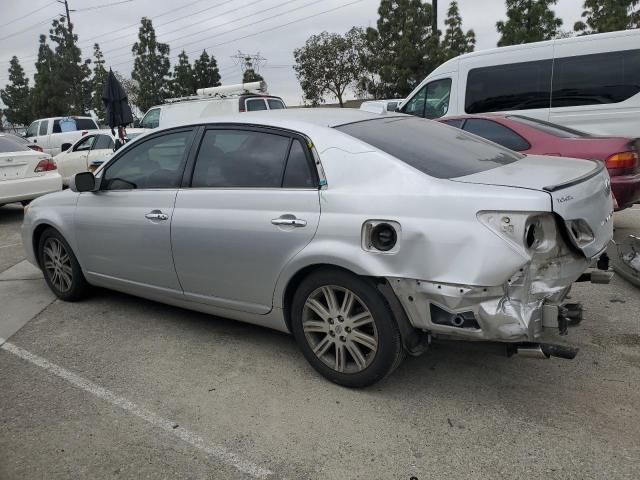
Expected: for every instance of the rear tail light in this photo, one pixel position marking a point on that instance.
(622, 160)
(46, 165)
(37, 148)
(527, 232)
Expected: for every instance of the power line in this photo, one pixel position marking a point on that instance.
(27, 14)
(97, 7)
(197, 23)
(26, 29)
(179, 47)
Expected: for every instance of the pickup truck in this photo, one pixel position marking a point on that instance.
(56, 134)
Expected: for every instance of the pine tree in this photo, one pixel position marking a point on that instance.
(456, 41)
(406, 44)
(16, 95)
(205, 71)
(528, 21)
(70, 72)
(99, 77)
(45, 99)
(250, 75)
(609, 16)
(151, 68)
(183, 82)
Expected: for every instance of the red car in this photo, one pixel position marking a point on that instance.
(529, 135)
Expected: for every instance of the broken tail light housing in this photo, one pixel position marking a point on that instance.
(45, 165)
(622, 160)
(527, 232)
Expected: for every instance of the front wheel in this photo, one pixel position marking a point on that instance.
(61, 269)
(345, 328)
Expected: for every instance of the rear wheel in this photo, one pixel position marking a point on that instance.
(345, 328)
(61, 269)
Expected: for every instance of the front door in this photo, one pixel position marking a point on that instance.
(123, 230)
(75, 161)
(253, 204)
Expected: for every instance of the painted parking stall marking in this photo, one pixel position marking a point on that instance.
(216, 451)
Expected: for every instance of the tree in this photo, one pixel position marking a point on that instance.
(406, 44)
(16, 95)
(608, 16)
(250, 75)
(455, 41)
(70, 73)
(46, 101)
(327, 63)
(183, 83)
(528, 21)
(130, 87)
(205, 71)
(99, 76)
(151, 67)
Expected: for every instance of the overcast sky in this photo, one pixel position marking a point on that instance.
(219, 26)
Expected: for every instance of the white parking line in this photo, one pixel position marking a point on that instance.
(193, 439)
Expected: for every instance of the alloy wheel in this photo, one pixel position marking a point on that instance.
(340, 329)
(57, 264)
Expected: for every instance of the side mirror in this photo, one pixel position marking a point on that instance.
(83, 182)
(65, 147)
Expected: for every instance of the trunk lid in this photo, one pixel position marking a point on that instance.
(580, 192)
(17, 165)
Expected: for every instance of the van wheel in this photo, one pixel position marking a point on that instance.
(61, 269)
(345, 328)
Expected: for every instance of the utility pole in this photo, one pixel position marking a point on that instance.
(66, 7)
(434, 7)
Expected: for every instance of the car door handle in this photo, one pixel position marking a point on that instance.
(156, 215)
(293, 222)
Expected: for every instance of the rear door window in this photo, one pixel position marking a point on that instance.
(514, 86)
(298, 172)
(85, 124)
(44, 127)
(432, 148)
(496, 133)
(103, 142)
(255, 104)
(275, 104)
(596, 79)
(230, 158)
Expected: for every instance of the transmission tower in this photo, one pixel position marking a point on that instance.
(249, 61)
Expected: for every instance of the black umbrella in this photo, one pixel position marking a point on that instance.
(116, 105)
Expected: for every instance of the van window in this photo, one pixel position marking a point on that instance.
(515, 86)
(496, 133)
(601, 78)
(32, 131)
(432, 148)
(275, 104)
(151, 119)
(85, 124)
(432, 101)
(253, 105)
(44, 127)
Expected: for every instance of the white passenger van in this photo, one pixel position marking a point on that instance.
(209, 102)
(590, 83)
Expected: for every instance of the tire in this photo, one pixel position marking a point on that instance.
(61, 269)
(345, 328)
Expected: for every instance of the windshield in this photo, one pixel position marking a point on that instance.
(550, 128)
(432, 148)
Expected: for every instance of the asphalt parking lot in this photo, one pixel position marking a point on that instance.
(119, 387)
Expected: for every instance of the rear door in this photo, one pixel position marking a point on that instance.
(252, 205)
(44, 138)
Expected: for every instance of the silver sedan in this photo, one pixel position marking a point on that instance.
(364, 235)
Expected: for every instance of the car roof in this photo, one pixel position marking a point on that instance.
(289, 118)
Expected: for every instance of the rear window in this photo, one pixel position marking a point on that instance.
(431, 147)
(8, 144)
(550, 128)
(275, 104)
(85, 124)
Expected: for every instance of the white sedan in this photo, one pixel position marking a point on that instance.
(94, 148)
(25, 173)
